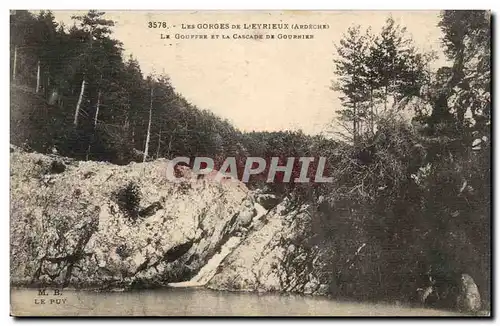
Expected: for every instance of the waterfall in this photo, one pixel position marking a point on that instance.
(208, 271)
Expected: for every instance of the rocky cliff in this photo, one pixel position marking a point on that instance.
(98, 225)
(92, 224)
(274, 256)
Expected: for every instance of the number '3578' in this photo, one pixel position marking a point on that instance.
(157, 24)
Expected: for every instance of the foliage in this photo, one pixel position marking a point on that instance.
(418, 194)
(117, 133)
(376, 74)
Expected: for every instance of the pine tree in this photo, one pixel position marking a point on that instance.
(377, 73)
(96, 29)
(353, 77)
(397, 67)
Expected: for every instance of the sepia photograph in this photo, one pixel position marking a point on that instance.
(250, 163)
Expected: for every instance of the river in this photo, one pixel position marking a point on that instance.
(196, 302)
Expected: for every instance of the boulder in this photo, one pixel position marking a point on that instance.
(469, 299)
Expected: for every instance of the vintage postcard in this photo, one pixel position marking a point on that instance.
(250, 163)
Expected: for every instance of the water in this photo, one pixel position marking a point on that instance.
(196, 302)
(208, 271)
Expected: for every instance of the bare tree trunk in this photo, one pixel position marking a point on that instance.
(54, 97)
(77, 110)
(38, 77)
(170, 143)
(98, 103)
(82, 89)
(14, 64)
(149, 127)
(97, 108)
(47, 82)
(385, 99)
(354, 124)
(159, 142)
(95, 120)
(372, 120)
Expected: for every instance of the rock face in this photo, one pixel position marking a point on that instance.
(98, 225)
(273, 256)
(92, 224)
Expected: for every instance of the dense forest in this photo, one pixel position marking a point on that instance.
(411, 167)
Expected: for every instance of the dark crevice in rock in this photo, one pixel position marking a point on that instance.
(178, 251)
(194, 257)
(229, 225)
(268, 201)
(150, 210)
(71, 259)
(142, 266)
(57, 167)
(88, 174)
(122, 251)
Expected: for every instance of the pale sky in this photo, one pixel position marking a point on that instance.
(256, 84)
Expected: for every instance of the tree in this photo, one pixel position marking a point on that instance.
(353, 77)
(467, 41)
(459, 96)
(396, 67)
(45, 47)
(96, 28)
(23, 40)
(379, 69)
(148, 134)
